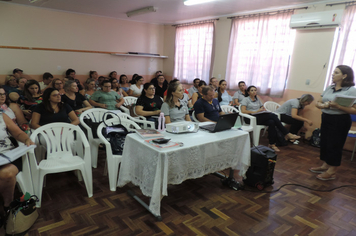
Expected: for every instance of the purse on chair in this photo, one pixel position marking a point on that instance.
(23, 214)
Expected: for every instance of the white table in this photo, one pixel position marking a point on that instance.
(152, 169)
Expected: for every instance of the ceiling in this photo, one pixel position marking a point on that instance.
(168, 11)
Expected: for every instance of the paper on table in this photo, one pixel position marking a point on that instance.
(345, 101)
(14, 154)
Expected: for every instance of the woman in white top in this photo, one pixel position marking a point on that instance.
(253, 106)
(136, 88)
(223, 97)
(335, 121)
(173, 109)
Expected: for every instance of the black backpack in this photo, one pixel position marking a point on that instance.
(315, 138)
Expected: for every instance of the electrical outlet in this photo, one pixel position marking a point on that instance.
(59, 68)
(307, 82)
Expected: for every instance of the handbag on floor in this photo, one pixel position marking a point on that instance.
(23, 214)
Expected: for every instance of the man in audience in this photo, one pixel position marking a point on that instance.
(106, 98)
(207, 108)
(160, 85)
(18, 73)
(215, 83)
(70, 75)
(194, 89)
(47, 79)
(158, 73)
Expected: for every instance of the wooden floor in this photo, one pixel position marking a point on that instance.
(205, 207)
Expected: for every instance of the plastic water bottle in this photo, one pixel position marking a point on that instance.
(161, 122)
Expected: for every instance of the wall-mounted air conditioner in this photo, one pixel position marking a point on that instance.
(315, 20)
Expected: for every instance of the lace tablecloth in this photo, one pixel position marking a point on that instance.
(152, 168)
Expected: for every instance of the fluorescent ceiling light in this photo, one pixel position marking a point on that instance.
(194, 2)
(141, 11)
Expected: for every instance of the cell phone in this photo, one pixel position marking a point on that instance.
(161, 140)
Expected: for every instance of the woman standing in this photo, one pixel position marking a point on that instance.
(335, 121)
(223, 97)
(52, 110)
(137, 87)
(252, 105)
(289, 112)
(74, 99)
(198, 94)
(124, 83)
(173, 109)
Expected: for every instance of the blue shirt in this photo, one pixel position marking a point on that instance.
(211, 111)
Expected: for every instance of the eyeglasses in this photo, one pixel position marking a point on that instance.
(151, 88)
(2, 94)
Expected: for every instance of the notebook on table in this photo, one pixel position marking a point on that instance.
(225, 122)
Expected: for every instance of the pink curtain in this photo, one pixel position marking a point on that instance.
(193, 52)
(345, 49)
(259, 52)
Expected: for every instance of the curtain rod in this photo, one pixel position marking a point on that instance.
(339, 3)
(196, 23)
(261, 13)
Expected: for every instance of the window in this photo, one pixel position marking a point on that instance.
(344, 52)
(193, 52)
(259, 52)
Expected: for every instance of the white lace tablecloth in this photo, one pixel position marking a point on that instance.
(152, 169)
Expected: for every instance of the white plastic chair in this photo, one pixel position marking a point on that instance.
(272, 107)
(256, 128)
(23, 178)
(62, 154)
(96, 116)
(113, 161)
(128, 100)
(143, 123)
(230, 109)
(194, 117)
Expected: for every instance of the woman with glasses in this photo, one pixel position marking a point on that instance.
(148, 104)
(136, 88)
(116, 87)
(10, 83)
(74, 99)
(58, 84)
(52, 110)
(173, 109)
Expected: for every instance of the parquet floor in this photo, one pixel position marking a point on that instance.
(205, 207)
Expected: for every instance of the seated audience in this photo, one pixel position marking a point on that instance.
(94, 75)
(112, 75)
(12, 110)
(161, 85)
(58, 84)
(90, 88)
(223, 97)
(16, 93)
(148, 104)
(100, 82)
(52, 110)
(158, 73)
(9, 171)
(194, 88)
(70, 75)
(105, 98)
(198, 94)
(290, 109)
(185, 98)
(132, 81)
(173, 109)
(240, 94)
(214, 82)
(207, 108)
(31, 98)
(75, 100)
(115, 87)
(10, 83)
(124, 83)
(47, 79)
(136, 87)
(252, 105)
(18, 73)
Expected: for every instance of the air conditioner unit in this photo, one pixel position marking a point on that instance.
(315, 20)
